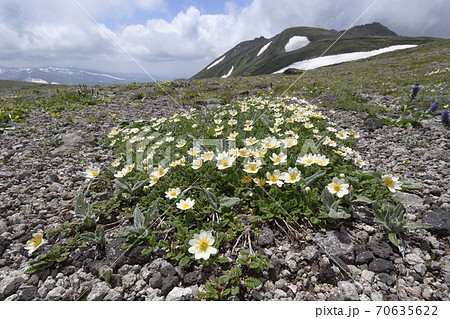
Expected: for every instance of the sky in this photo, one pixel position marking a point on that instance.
(172, 39)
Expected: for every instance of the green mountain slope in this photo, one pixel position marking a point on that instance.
(245, 60)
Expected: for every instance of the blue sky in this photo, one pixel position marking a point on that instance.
(176, 39)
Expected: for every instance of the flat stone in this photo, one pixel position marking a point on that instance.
(168, 283)
(99, 290)
(278, 293)
(364, 257)
(310, 253)
(412, 202)
(27, 293)
(386, 278)
(380, 249)
(337, 244)
(381, 265)
(115, 294)
(180, 294)
(11, 283)
(266, 238)
(439, 221)
(367, 275)
(327, 275)
(349, 290)
(414, 259)
(56, 293)
(128, 280)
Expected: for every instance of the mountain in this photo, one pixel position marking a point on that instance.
(266, 56)
(70, 75)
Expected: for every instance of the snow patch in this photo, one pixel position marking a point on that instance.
(106, 75)
(339, 58)
(264, 48)
(36, 80)
(229, 73)
(217, 62)
(296, 43)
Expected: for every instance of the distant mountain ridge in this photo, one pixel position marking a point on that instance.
(266, 56)
(69, 76)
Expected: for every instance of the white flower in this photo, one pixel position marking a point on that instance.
(270, 142)
(197, 163)
(392, 182)
(291, 176)
(116, 163)
(160, 172)
(278, 159)
(274, 178)
(232, 122)
(338, 187)
(260, 153)
(252, 167)
(250, 141)
(289, 142)
(306, 160)
(92, 171)
(180, 143)
(122, 173)
(186, 204)
(173, 192)
(225, 161)
(208, 156)
(342, 135)
(232, 136)
(321, 160)
(244, 152)
(34, 243)
(153, 180)
(201, 245)
(194, 151)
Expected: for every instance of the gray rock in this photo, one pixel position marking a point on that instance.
(99, 291)
(364, 257)
(413, 259)
(27, 293)
(155, 282)
(178, 294)
(412, 203)
(11, 283)
(257, 296)
(168, 271)
(439, 221)
(153, 268)
(386, 278)
(168, 283)
(380, 249)
(278, 293)
(371, 124)
(310, 253)
(337, 244)
(69, 141)
(376, 296)
(192, 278)
(3, 226)
(128, 280)
(115, 294)
(421, 269)
(56, 294)
(349, 290)
(427, 294)
(266, 238)
(381, 265)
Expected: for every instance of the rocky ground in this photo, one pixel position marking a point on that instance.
(38, 187)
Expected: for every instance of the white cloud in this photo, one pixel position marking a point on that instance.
(55, 32)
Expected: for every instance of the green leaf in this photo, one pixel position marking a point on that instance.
(82, 207)
(412, 226)
(311, 179)
(123, 185)
(254, 265)
(88, 237)
(223, 260)
(224, 279)
(234, 290)
(362, 199)
(338, 214)
(394, 240)
(251, 282)
(411, 185)
(139, 219)
(184, 261)
(327, 199)
(229, 201)
(146, 251)
(212, 198)
(105, 272)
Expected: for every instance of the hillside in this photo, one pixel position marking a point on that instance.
(265, 56)
(73, 172)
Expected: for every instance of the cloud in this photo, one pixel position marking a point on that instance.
(54, 32)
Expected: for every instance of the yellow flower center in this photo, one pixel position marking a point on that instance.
(94, 173)
(277, 159)
(337, 188)
(247, 179)
(253, 167)
(293, 176)
(274, 178)
(225, 163)
(308, 160)
(389, 182)
(161, 172)
(36, 241)
(173, 193)
(203, 245)
(320, 162)
(155, 179)
(185, 205)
